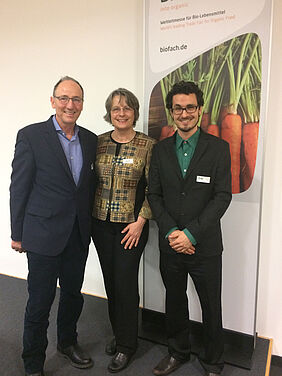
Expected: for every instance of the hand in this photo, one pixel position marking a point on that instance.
(134, 231)
(187, 251)
(17, 246)
(180, 243)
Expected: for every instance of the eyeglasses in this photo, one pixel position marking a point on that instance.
(190, 109)
(117, 110)
(63, 99)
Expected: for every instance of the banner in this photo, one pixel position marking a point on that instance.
(224, 47)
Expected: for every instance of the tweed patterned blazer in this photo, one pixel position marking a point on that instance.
(122, 186)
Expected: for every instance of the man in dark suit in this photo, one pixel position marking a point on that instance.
(51, 196)
(189, 191)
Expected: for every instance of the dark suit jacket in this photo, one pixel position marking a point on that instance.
(44, 199)
(196, 202)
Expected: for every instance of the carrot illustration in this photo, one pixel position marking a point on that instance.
(213, 127)
(249, 103)
(167, 131)
(238, 63)
(223, 112)
(231, 131)
(206, 84)
(250, 141)
(205, 121)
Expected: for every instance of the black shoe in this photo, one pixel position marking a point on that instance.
(111, 347)
(212, 374)
(41, 373)
(76, 356)
(166, 366)
(119, 362)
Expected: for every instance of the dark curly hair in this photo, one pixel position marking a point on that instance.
(184, 87)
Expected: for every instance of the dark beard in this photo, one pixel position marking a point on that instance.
(188, 129)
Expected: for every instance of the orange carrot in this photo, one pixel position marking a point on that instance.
(213, 129)
(167, 131)
(250, 143)
(231, 131)
(205, 121)
(223, 113)
(245, 174)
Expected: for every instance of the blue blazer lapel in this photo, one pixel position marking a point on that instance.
(84, 147)
(54, 142)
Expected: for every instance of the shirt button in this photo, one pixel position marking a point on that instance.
(184, 170)
(185, 154)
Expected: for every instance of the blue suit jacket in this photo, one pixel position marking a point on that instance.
(44, 199)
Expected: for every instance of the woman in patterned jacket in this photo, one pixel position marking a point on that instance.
(121, 213)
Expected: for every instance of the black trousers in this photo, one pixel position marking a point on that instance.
(206, 275)
(44, 271)
(120, 271)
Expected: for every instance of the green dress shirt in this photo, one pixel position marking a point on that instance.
(184, 151)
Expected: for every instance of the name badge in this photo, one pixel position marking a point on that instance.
(128, 161)
(203, 179)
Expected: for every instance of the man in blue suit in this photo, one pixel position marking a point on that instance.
(189, 191)
(51, 195)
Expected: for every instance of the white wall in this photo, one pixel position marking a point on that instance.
(100, 44)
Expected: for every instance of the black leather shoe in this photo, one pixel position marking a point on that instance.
(166, 366)
(119, 362)
(76, 356)
(111, 347)
(35, 374)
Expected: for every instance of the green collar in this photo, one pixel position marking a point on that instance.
(191, 140)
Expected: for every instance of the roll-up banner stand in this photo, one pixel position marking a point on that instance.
(224, 47)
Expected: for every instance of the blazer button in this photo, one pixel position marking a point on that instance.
(183, 194)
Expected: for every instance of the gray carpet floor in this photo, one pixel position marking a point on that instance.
(94, 331)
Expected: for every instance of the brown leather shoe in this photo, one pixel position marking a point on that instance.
(76, 356)
(166, 366)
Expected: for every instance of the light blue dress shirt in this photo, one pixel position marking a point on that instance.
(72, 150)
